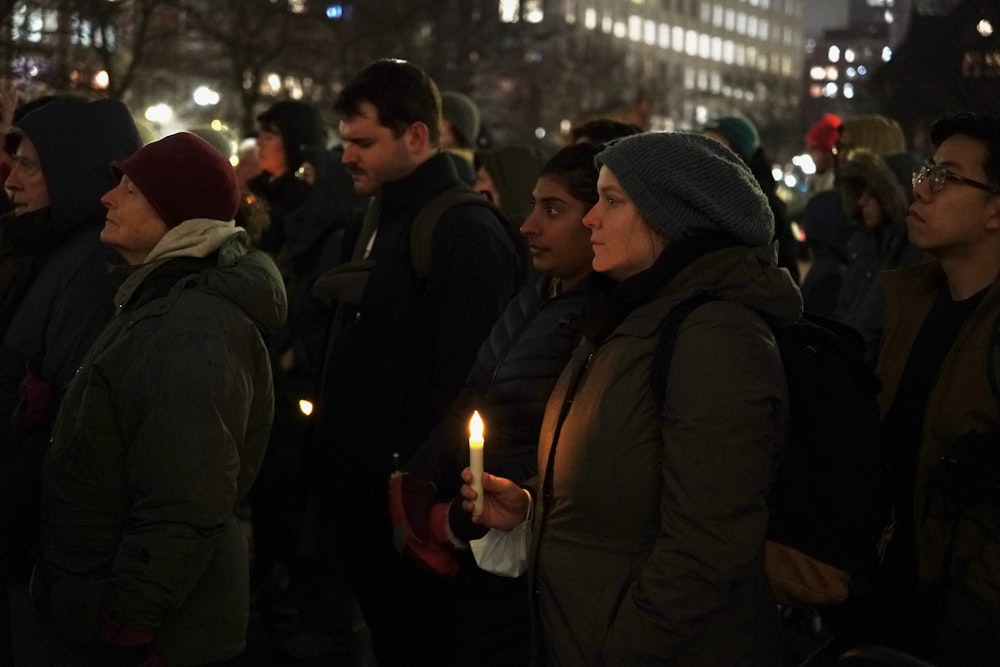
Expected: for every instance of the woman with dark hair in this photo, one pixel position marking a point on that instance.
(514, 372)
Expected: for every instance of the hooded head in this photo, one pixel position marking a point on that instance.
(688, 184)
(76, 140)
(824, 133)
(300, 125)
(183, 177)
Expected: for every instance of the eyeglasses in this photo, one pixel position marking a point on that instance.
(937, 176)
(26, 166)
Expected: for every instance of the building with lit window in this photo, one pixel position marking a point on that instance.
(840, 66)
(690, 59)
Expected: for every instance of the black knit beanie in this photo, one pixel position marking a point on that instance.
(687, 184)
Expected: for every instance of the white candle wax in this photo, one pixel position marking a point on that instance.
(476, 460)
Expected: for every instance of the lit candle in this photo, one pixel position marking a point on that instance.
(476, 460)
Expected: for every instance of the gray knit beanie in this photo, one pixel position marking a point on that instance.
(463, 114)
(687, 184)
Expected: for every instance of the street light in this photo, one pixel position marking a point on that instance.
(159, 113)
(205, 96)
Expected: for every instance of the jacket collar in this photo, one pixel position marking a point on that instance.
(434, 175)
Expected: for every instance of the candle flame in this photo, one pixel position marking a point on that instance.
(476, 426)
(305, 407)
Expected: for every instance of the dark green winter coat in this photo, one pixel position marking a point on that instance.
(160, 435)
(649, 530)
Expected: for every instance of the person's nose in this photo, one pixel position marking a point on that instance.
(592, 219)
(350, 154)
(530, 226)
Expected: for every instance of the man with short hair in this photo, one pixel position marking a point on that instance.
(941, 420)
(400, 354)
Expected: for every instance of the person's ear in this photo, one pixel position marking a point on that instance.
(418, 137)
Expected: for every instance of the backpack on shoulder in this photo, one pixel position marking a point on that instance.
(345, 283)
(824, 505)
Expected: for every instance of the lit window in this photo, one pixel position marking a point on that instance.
(635, 28)
(701, 114)
(664, 35)
(649, 32)
(702, 80)
(620, 30)
(607, 24)
(762, 29)
(704, 46)
(848, 55)
(817, 73)
(533, 12)
(730, 19)
(677, 39)
(832, 73)
(716, 49)
(727, 52)
(752, 26)
(691, 43)
(717, 16)
(510, 11)
(590, 19)
(741, 23)
(689, 78)
(833, 54)
(741, 55)
(715, 82)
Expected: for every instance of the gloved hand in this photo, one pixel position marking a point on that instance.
(128, 640)
(420, 526)
(37, 401)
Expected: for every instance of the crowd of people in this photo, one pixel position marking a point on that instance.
(226, 390)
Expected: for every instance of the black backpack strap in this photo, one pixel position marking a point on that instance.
(660, 367)
(424, 224)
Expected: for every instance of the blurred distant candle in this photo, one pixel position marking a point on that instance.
(476, 460)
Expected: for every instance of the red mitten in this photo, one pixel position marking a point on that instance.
(113, 632)
(37, 400)
(419, 526)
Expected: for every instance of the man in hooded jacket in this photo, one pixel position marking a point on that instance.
(60, 299)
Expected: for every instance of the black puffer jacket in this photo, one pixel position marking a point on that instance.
(515, 370)
(62, 295)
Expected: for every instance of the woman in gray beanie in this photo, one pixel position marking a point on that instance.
(649, 522)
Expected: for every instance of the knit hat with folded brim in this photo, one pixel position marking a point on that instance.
(183, 177)
(687, 184)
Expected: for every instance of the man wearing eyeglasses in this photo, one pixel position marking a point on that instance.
(59, 301)
(939, 585)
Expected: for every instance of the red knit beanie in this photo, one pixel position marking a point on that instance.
(824, 133)
(183, 177)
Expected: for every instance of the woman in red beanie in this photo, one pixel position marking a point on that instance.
(164, 427)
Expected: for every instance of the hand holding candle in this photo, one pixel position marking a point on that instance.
(476, 460)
